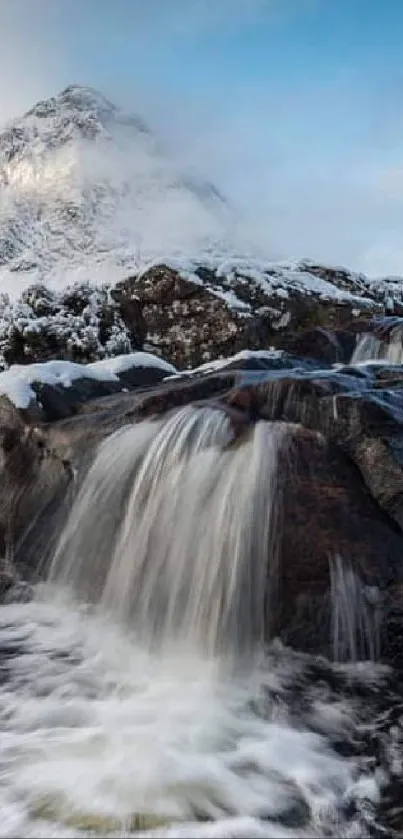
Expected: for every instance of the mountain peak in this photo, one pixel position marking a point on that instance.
(77, 98)
(81, 106)
(84, 185)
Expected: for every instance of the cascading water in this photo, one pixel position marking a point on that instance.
(355, 615)
(120, 720)
(371, 348)
(174, 530)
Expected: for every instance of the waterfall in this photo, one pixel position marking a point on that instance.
(355, 615)
(371, 348)
(175, 530)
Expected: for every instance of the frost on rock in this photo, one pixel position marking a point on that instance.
(187, 313)
(80, 324)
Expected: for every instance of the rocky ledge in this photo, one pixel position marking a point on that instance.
(190, 315)
(341, 478)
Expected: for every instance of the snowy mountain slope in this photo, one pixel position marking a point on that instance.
(85, 192)
(87, 195)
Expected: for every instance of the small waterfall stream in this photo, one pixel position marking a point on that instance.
(117, 717)
(175, 530)
(371, 348)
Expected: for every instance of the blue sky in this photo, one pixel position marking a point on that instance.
(294, 107)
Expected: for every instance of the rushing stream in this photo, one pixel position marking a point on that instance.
(136, 693)
(100, 735)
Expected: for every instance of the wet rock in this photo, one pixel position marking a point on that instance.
(328, 512)
(362, 413)
(33, 481)
(18, 592)
(76, 436)
(323, 345)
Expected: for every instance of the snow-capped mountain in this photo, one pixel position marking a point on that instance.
(87, 193)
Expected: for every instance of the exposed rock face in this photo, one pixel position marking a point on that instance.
(362, 412)
(330, 515)
(190, 322)
(33, 484)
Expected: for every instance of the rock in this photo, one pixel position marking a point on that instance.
(185, 322)
(192, 318)
(77, 436)
(192, 321)
(57, 402)
(361, 413)
(342, 278)
(33, 483)
(323, 345)
(328, 512)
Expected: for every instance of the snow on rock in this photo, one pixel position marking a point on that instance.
(16, 383)
(122, 363)
(254, 356)
(189, 316)
(80, 324)
(234, 278)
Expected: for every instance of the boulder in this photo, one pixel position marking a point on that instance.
(330, 516)
(34, 481)
(323, 345)
(361, 413)
(190, 320)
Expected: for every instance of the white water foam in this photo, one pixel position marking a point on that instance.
(101, 737)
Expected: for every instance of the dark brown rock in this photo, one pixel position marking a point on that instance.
(185, 323)
(190, 323)
(328, 512)
(324, 345)
(33, 480)
(74, 437)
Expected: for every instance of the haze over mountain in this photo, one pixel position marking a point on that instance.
(86, 192)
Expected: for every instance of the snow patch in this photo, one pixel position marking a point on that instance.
(16, 383)
(219, 363)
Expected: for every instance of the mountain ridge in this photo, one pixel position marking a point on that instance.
(84, 185)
